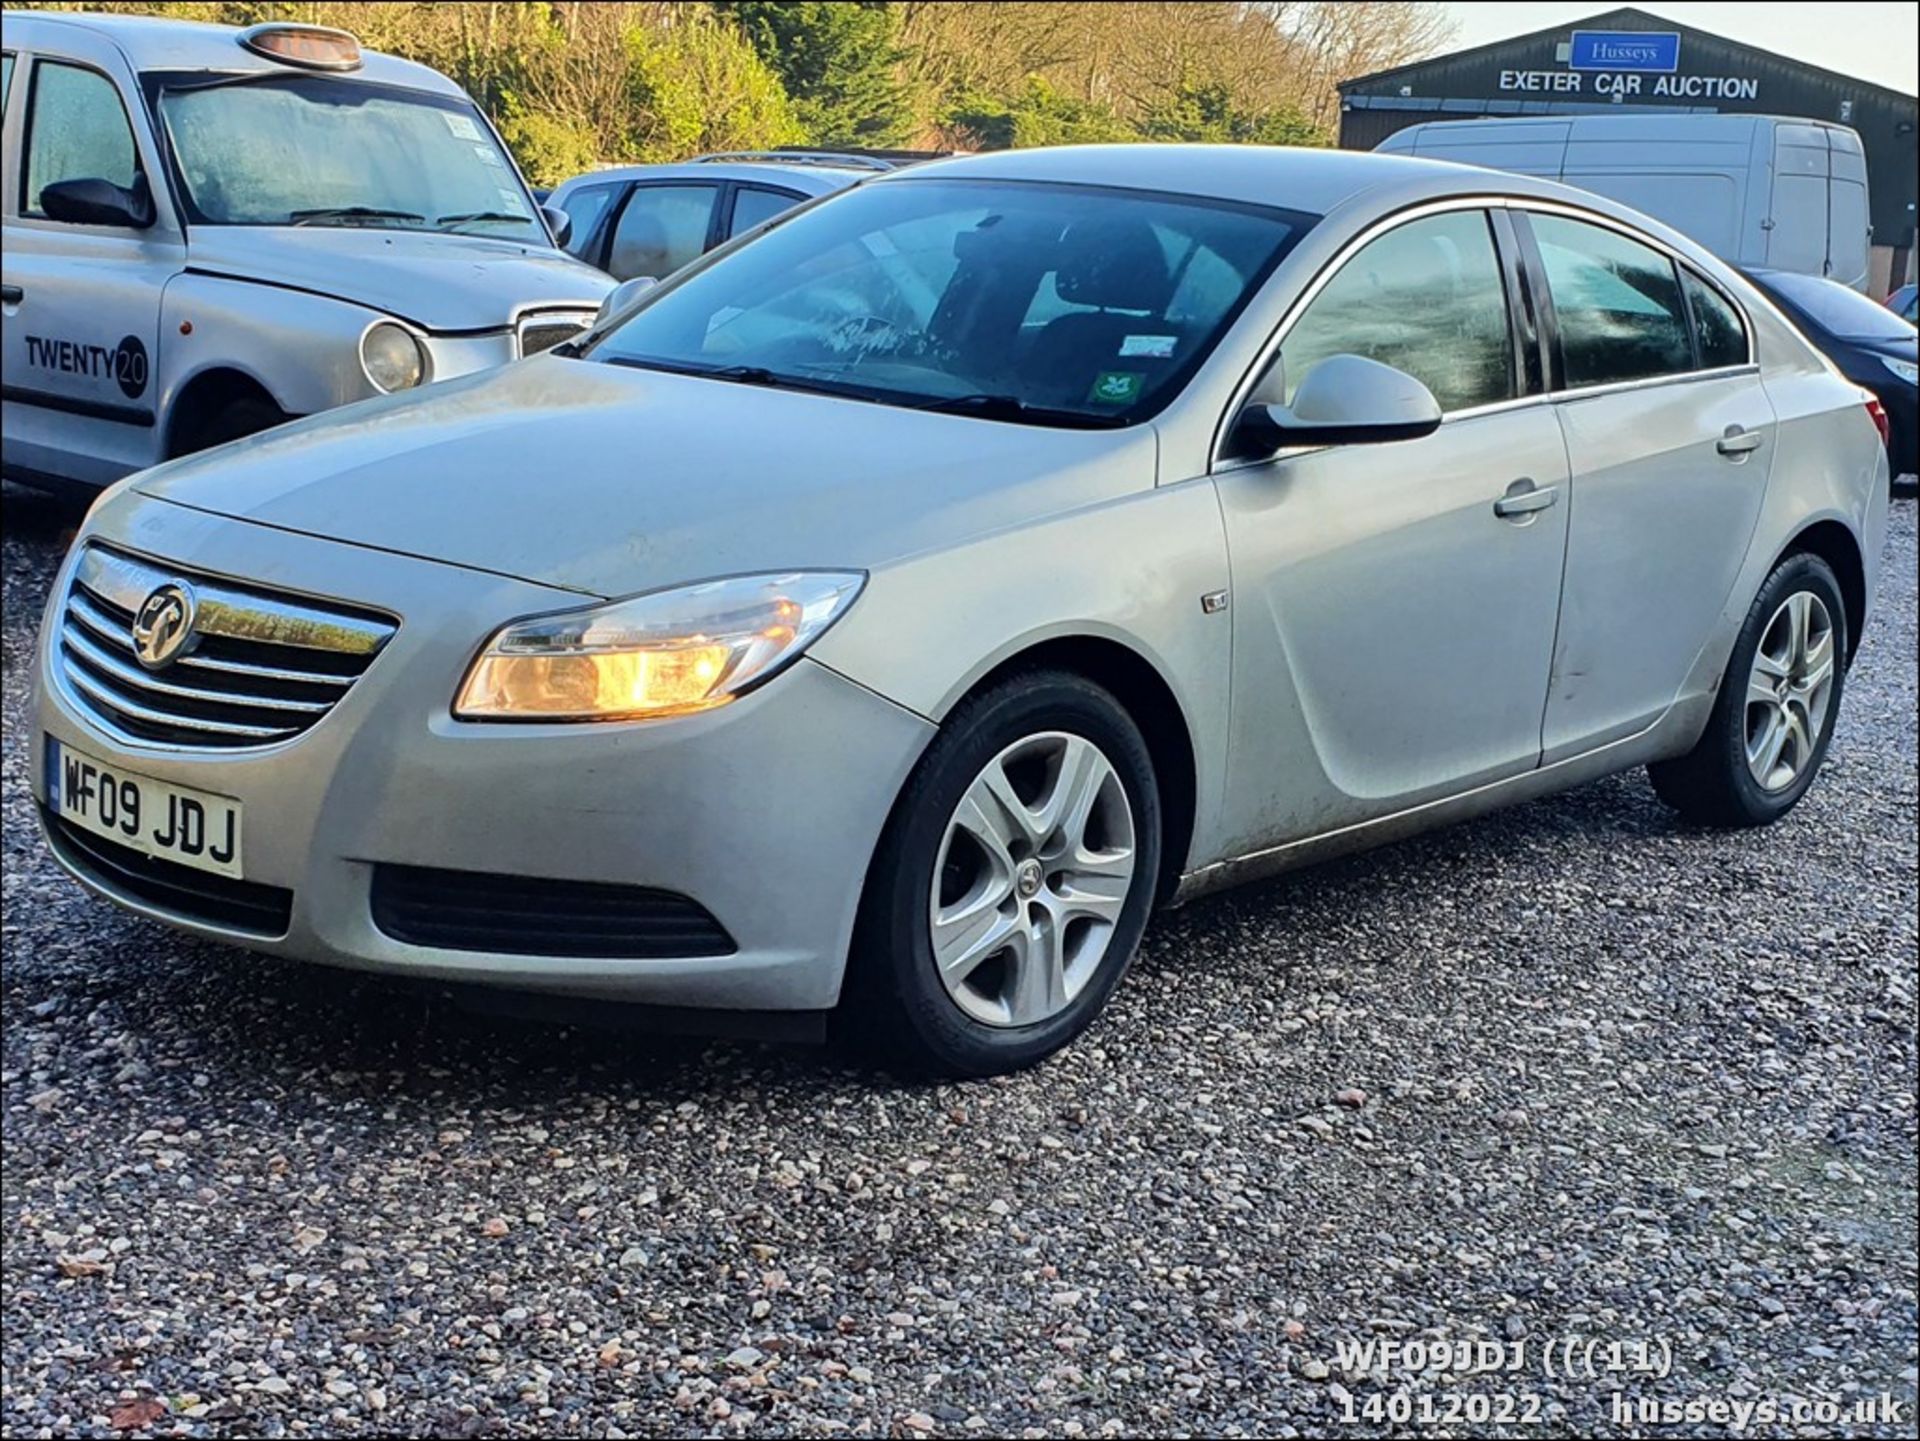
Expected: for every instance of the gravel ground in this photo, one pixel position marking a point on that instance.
(1621, 1080)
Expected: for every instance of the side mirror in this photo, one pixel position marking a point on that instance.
(623, 295)
(558, 222)
(1344, 400)
(99, 202)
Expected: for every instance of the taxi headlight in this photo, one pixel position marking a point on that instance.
(393, 357)
(665, 653)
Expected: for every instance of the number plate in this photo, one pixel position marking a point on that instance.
(169, 822)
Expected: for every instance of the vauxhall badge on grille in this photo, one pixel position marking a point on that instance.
(163, 625)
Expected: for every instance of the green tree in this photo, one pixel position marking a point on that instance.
(840, 63)
(699, 86)
(1037, 115)
(1206, 112)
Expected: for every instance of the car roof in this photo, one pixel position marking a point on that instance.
(810, 178)
(152, 43)
(1287, 177)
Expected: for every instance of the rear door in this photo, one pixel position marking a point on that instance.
(83, 301)
(663, 226)
(1669, 436)
(1849, 233)
(1801, 174)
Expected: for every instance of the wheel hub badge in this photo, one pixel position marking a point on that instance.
(1027, 879)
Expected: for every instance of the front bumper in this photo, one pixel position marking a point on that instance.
(765, 811)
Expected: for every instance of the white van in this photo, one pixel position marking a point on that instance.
(1759, 190)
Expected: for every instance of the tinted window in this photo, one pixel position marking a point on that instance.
(1617, 302)
(584, 208)
(78, 131)
(662, 228)
(1426, 298)
(1042, 304)
(1723, 339)
(752, 206)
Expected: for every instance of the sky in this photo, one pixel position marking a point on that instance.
(1880, 43)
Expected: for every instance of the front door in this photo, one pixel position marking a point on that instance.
(1394, 605)
(83, 301)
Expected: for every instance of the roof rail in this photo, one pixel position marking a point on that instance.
(796, 157)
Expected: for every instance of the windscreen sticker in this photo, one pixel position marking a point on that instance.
(510, 202)
(461, 125)
(1116, 387)
(488, 154)
(1153, 347)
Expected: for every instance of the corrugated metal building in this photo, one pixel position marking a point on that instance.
(1536, 75)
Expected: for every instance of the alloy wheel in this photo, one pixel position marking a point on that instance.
(1789, 690)
(1033, 873)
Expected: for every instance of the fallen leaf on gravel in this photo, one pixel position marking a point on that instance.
(305, 1238)
(81, 1266)
(44, 1101)
(132, 1415)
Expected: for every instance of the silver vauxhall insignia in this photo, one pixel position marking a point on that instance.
(880, 617)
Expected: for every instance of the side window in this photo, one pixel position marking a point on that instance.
(584, 208)
(1617, 303)
(1426, 298)
(6, 79)
(1723, 339)
(752, 206)
(662, 228)
(78, 130)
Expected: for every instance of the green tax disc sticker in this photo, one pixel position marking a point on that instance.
(1116, 387)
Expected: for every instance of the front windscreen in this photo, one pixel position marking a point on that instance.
(1044, 304)
(323, 150)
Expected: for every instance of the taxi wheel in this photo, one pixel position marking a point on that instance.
(235, 420)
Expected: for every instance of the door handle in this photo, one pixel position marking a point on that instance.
(1738, 442)
(1523, 499)
(11, 294)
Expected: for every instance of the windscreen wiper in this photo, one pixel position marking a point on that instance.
(744, 375)
(479, 215)
(351, 212)
(1012, 407)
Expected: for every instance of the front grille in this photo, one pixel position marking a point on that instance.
(256, 667)
(528, 916)
(168, 886)
(548, 328)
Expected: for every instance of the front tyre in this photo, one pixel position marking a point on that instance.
(1013, 883)
(1773, 719)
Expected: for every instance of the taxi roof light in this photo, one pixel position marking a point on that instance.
(311, 47)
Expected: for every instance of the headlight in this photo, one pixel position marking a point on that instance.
(392, 357)
(1905, 369)
(666, 653)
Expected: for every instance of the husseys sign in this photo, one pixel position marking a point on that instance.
(1628, 64)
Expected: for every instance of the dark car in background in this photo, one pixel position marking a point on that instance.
(1870, 344)
(1905, 303)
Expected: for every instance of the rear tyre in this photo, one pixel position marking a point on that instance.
(1012, 885)
(1773, 719)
